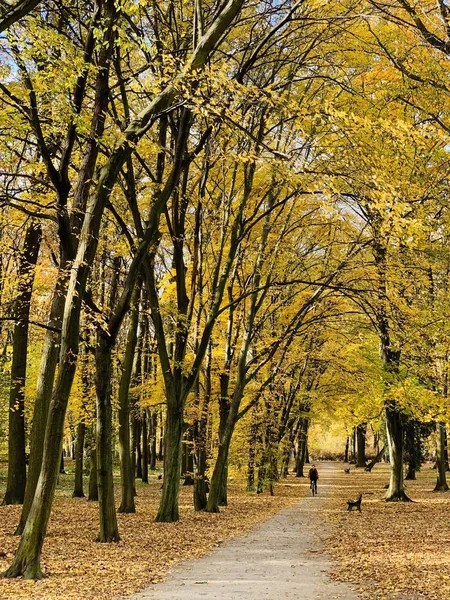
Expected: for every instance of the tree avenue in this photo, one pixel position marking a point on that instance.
(223, 226)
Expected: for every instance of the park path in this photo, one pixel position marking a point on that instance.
(281, 559)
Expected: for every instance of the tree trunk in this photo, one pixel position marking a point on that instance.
(144, 447)
(168, 509)
(78, 491)
(161, 437)
(93, 487)
(361, 445)
(347, 444)
(17, 470)
(441, 483)
(44, 387)
(126, 468)
(153, 422)
(109, 531)
(447, 467)
(301, 452)
(224, 409)
(138, 447)
(62, 471)
(252, 453)
(353, 447)
(200, 439)
(394, 426)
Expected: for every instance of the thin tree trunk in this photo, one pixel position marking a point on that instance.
(224, 408)
(153, 422)
(144, 447)
(17, 470)
(62, 471)
(201, 452)
(347, 444)
(353, 447)
(161, 437)
(301, 452)
(93, 487)
(126, 468)
(441, 483)
(138, 447)
(253, 436)
(78, 491)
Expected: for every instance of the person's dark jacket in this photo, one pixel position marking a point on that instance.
(313, 474)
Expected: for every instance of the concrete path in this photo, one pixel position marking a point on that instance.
(281, 559)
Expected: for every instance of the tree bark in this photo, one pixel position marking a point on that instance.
(200, 439)
(93, 487)
(78, 491)
(126, 468)
(347, 444)
(138, 447)
(361, 445)
(17, 470)
(153, 422)
(394, 426)
(109, 531)
(441, 483)
(253, 436)
(144, 447)
(301, 452)
(168, 508)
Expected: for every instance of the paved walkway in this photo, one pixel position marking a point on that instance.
(281, 559)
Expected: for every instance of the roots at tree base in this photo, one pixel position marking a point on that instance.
(26, 569)
(102, 539)
(397, 497)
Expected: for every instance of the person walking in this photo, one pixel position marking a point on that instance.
(313, 478)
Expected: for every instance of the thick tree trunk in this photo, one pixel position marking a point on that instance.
(361, 445)
(44, 387)
(441, 483)
(109, 531)
(168, 509)
(220, 468)
(394, 426)
(17, 470)
(27, 558)
(78, 491)
(347, 444)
